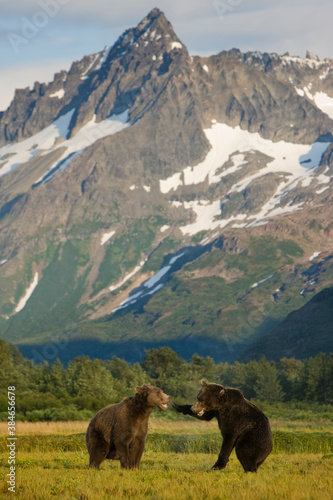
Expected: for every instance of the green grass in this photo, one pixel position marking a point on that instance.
(175, 465)
(284, 442)
(172, 476)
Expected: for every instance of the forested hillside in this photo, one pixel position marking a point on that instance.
(75, 392)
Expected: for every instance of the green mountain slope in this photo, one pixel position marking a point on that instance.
(303, 333)
(215, 303)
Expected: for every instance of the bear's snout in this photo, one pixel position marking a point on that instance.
(198, 409)
(165, 402)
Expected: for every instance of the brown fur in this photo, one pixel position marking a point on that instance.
(243, 426)
(118, 431)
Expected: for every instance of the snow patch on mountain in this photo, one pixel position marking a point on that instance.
(60, 94)
(255, 285)
(297, 163)
(295, 60)
(226, 140)
(91, 65)
(13, 155)
(106, 236)
(27, 295)
(151, 286)
(238, 160)
(112, 288)
(313, 256)
(324, 102)
(269, 211)
(207, 217)
(176, 45)
(171, 183)
(86, 136)
(325, 74)
(320, 191)
(104, 57)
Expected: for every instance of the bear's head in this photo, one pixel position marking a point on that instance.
(209, 398)
(154, 396)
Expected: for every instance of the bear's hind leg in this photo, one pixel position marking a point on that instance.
(252, 451)
(96, 458)
(98, 448)
(248, 465)
(247, 457)
(250, 461)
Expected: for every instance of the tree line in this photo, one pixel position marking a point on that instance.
(77, 391)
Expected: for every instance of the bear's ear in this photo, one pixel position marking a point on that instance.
(203, 383)
(140, 390)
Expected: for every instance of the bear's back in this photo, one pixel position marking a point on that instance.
(235, 400)
(108, 416)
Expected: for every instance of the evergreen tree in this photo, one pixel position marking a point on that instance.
(162, 363)
(291, 378)
(314, 374)
(89, 379)
(268, 387)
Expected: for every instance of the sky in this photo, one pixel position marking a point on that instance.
(41, 37)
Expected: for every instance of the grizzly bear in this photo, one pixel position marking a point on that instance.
(118, 431)
(243, 426)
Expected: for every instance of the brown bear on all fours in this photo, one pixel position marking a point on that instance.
(118, 431)
(243, 426)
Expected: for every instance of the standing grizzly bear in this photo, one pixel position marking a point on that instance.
(118, 431)
(243, 426)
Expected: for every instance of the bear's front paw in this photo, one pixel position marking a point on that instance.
(178, 408)
(218, 466)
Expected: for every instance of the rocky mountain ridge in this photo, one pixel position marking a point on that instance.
(102, 84)
(126, 183)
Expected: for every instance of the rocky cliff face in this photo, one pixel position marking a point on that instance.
(141, 151)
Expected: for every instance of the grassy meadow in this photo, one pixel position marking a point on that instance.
(52, 461)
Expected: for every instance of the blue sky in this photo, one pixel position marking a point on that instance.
(40, 37)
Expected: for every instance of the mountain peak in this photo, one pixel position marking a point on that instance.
(156, 25)
(312, 57)
(153, 39)
(151, 48)
(154, 15)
